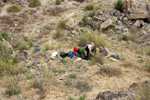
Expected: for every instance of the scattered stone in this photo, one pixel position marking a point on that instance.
(108, 24)
(22, 55)
(30, 63)
(139, 23)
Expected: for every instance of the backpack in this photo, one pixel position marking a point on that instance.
(36, 48)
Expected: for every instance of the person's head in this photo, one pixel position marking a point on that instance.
(93, 44)
(101, 47)
(75, 49)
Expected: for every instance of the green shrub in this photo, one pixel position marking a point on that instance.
(148, 51)
(87, 36)
(22, 45)
(5, 35)
(34, 3)
(58, 2)
(29, 41)
(14, 8)
(119, 5)
(12, 88)
(147, 66)
(72, 76)
(85, 21)
(97, 59)
(83, 97)
(89, 7)
(58, 33)
(70, 98)
(83, 86)
(124, 37)
(61, 24)
(110, 71)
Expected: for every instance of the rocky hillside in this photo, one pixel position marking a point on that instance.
(56, 26)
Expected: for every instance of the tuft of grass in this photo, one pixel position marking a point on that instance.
(147, 66)
(70, 98)
(29, 41)
(110, 71)
(58, 2)
(4, 35)
(12, 88)
(58, 33)
(148, 51)
(83, 97)
(97, 59)
(14, 8)
(22, 45)
(61, 24)
(128, 63)
(88, 35)
(119, 5)
(72, 76)
(124, 37)
(83, 86)
(34, 3)
(89, 7)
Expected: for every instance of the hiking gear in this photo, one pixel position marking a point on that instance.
(75, 48)
(36, 48)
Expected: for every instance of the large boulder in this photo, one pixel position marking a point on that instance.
(136, 10)
(108, 24)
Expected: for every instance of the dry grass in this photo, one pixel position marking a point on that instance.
(34, 3)
(14, 8)
(88, 35)
(110, 71)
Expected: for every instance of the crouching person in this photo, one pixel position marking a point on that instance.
(105, 52)
(79, 52)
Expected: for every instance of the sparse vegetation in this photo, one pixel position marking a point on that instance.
(148, 51)
(58, 2)
(14, 8)
(61, 24)
(4, 35)
(58, 33)
(147, 66)
(83, 86)
(146, 92)
(128, 63)
(89, 7)
(29, 41)
(110, 71)
(34, 3)
(88, 36)
(124, 37)
(119, 5)
(70, 98)
(12, 88)
(83, 97)
(22, 45)
(97, 59)
(72, 76)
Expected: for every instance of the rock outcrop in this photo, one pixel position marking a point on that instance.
(136, 10)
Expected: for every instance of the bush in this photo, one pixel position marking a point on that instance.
(61, 24)
(85, 21)
(5, 35)
(83, 97)
(87, 36)
(22, 45)
(97, 59)
(124, 37)
(110, 71)
(70, 98)
(14, 8)
(89, 7)
(58, 33)
(72, 76)
(147, 66)
(29, 41)
(148, 51)
(83, 86)
(12, 88)
(34, 3)
(58, 2)
(119, 5)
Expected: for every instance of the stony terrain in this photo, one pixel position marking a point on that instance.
(41, 77)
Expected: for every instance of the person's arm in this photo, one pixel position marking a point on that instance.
(81, 55)
(108, 54)
(91, 53)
